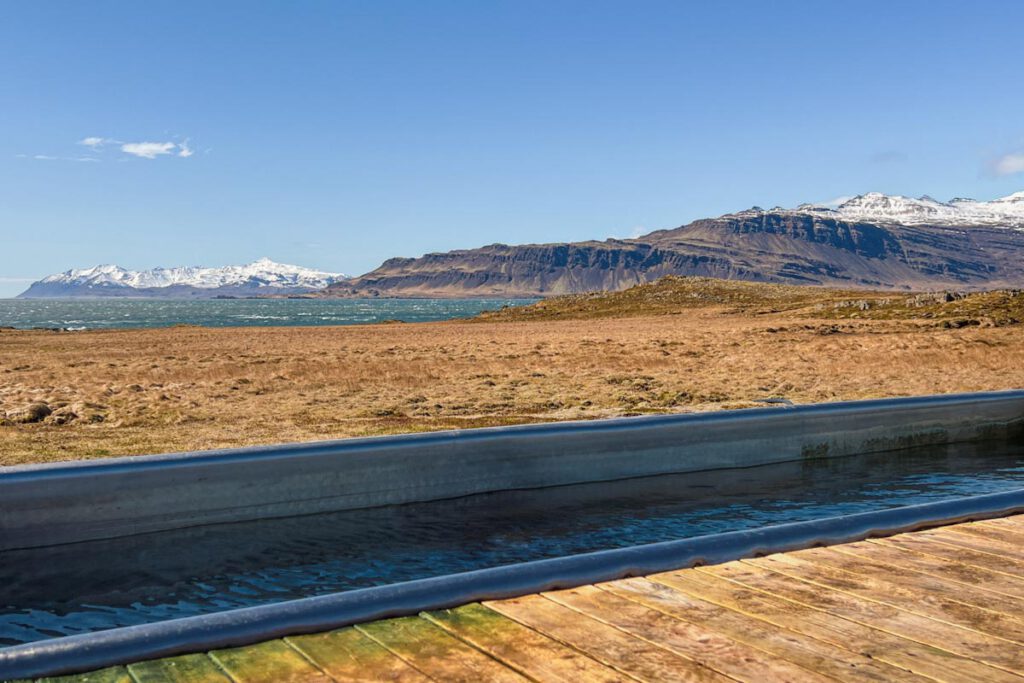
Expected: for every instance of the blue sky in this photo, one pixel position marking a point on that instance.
(338, 134)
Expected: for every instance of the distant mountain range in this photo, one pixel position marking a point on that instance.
(257, 278)
(1007, 212)
(869, 241)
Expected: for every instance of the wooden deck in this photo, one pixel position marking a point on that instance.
(939, 605)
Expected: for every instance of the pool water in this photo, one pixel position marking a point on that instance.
(82, 587)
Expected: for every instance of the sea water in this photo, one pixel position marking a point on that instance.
(89, 314)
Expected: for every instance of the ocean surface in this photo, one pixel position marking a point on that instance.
(112, 313)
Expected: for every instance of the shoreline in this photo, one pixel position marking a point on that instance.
(678, 345)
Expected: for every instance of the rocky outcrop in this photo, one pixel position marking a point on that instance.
(34, 412)
(503, 270)
(811, 247)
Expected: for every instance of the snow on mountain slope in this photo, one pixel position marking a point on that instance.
(263, 275)
(880, 208)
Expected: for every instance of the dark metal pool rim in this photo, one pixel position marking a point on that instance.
(596, 426)
(60, 503)
(237, 627)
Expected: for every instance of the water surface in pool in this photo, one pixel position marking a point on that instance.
(91, 586)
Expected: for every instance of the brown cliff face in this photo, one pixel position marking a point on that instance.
(502, 270)
(760, 246)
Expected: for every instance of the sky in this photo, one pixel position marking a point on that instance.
(338, 134)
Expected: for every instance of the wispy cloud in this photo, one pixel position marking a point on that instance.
(838, 201)
(637, 231)
(1008, 164)
(100, 147)
(630, 234)
(148, 150)
(95, 142)
(48, 157)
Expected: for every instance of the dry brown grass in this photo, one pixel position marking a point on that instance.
(148, 391)
(672, 295)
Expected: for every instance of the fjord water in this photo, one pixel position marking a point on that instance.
(85, 314)
(93, 586)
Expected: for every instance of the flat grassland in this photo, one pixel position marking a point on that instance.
(677, 345)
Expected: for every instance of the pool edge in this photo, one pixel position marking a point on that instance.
(65, 503)
(244, 626)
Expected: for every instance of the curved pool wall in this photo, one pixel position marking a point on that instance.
(90, 651)
(43, 505)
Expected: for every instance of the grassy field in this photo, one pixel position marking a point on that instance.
(676, 295)
(677, 345)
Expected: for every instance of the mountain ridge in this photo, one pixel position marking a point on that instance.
(1005, 211)
(869, 241)
(262, 276)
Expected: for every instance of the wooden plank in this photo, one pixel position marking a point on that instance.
(938, 588)
(811, 654)
(184, 669)
(935, 566)
(837, 631)
(955, 553)
(1010, 535)
(273, 660)
(349, 655)
(604, 643)
(1012, 522)
(929, 603)
(116, 674)
(938, 634)
(984, 545)
(436, 652)
(1010, 519)
(705, 646)
(522, 648)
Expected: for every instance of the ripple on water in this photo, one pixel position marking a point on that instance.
(113, 313)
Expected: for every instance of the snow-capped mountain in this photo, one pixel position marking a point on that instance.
(259, 277)
(881, 208)
(872, 241)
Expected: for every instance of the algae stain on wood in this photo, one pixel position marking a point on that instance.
(473, 617)
(436, 652)
(274, 660)
(411, 635)
(117, 674)
(348, 654)
(185, 669)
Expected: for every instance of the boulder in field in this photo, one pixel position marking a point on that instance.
(34, 412)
